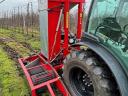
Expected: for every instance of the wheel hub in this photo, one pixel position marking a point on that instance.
(81, 83)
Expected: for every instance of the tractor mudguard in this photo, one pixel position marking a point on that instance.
(120, 75)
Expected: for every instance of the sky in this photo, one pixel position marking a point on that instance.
(10, 4)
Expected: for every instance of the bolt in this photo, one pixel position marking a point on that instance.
(83, 88)
(85, 75)
(86, 83)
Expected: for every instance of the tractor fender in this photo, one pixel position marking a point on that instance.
(114, 65)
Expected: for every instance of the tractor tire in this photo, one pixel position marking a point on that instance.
(85, 74)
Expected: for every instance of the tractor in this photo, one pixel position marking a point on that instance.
(93, 62)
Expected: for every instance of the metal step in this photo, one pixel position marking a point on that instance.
(42, 77)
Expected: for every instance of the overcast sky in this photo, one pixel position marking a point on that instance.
(9, 4)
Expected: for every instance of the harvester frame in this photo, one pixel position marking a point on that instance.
(55, 9)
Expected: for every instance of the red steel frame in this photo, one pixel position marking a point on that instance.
(53, 17)
(47, 84)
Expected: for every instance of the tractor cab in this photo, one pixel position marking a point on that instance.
(108, 21)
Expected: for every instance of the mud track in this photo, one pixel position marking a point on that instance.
(12, 53)
(25, 44)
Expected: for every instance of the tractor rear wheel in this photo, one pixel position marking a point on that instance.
(86, 75)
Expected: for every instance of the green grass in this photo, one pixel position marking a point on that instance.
(19, 48)
(34, 44)
(20, 37)
(5, 33)
(11, 84)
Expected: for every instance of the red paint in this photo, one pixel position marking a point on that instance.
(48, 83)
(66, 25)
(54, 38)
(80, 16)
(55, 47)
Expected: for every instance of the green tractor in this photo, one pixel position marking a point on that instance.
(100, 68)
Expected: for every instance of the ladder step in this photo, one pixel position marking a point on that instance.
(43, 77)
(36, 70)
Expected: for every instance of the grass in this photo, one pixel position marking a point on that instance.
(11, 84)
(19, 49)
(20, 37)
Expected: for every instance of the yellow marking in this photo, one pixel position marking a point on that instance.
(81, 15)
(67, 19)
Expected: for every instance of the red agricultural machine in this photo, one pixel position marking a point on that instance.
(90, 63)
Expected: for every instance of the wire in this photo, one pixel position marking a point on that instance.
(2, 1)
